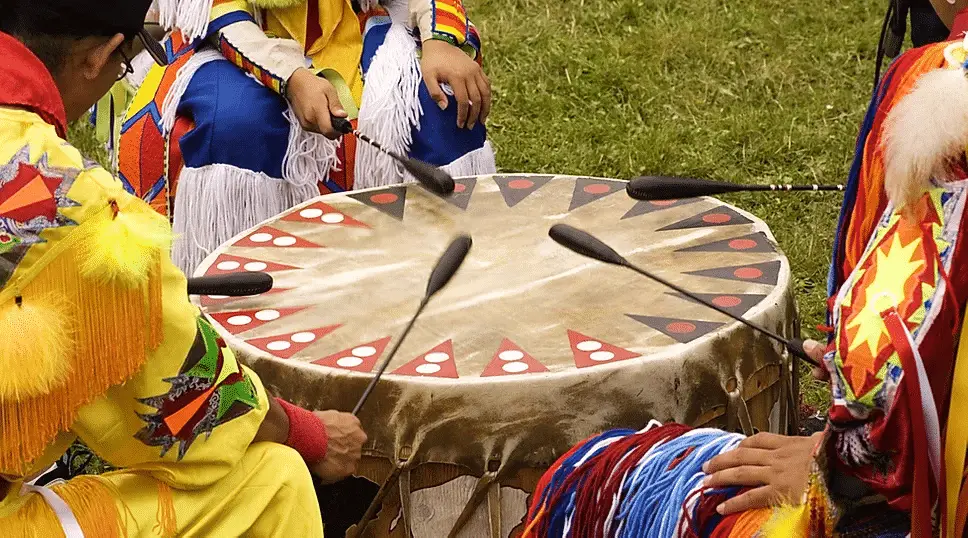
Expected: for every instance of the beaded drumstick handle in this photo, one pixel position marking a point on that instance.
(672, 188)
(586, 244)
(429, 175)
(447, 265)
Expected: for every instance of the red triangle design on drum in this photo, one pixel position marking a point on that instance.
(592, 352)
(216, 300)
(517, 188)
(245, 320)
(391, 201)
(285, 346)
(588, 190)
(228, 264)
(438, 362)
(320, 213)
(267, 236)
(360, 358)
(512, 360)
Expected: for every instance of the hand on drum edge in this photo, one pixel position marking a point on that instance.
(443, 63)
(816, 351)
(314, 100)
(777, 466)
(344, 446)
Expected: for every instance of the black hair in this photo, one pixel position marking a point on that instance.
(53, 50)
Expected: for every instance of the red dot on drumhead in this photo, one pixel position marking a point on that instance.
(663, 203)
(742, 244)
(521, 184)
(727, 301)
(459, 187)
(680, 327)
(597, 188)
(747, 272)
(716, 218)
(384, 198)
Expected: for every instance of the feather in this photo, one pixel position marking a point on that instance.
(35, 348)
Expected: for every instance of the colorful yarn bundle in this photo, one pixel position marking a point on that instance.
(624, 483)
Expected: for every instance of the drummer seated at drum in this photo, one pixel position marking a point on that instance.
(100, 340)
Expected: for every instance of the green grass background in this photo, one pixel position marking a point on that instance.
(766, 91)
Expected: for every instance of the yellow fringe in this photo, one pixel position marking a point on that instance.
(167, 523)
(115, 327)
(34, 341)
(93, 501)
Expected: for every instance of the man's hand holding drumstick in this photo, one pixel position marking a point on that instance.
(777, 466)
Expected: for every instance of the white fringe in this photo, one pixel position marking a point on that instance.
(309, 156)
(142, 63)
(219, 201)
(169, 108)
(479, 162)
(189, 16)
(390, 108)
(924, 131)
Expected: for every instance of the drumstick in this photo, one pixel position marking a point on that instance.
(672, 188)
(585, 244)
(234, 285)
(429, 175)
(447, 265)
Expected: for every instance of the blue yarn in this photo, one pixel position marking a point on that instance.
(653, 496)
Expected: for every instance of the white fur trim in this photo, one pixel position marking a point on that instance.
(390, 108)
(189, 16)
(309, 156)
(475, 163)
(169, 108)
(217, 202)
(924, 130)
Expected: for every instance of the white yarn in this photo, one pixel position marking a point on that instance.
(169, 108)
(479, 162)
(191, 17)
(309, 156)
(217, 202)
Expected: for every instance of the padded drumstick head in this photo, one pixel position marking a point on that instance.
(448, 264)
(430, 176)
(233, 285)
(342, 125)
(673, 188)
(585, 244)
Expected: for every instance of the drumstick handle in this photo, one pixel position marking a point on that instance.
(794, 346)
(386, 362)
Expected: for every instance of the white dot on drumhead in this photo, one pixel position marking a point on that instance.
(602, 356)
(261, 238)
(511, 355)
(349, 362)
(228, 266)
(437, 356)
(311, 213)
(365, 351)
(239, 320)
(280, 345)
(589, 345)
(284, 241)
(255, 266)
(427, 369)
(515, 367)
(267, 315)
(333, 218)
(303, 338)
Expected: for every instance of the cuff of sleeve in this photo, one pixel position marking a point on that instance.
(307, 434)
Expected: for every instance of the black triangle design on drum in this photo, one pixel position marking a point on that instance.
(718, 216)
(463, 190)
(390, 201)
(757, 242)
(734, 303)
(759, 273)
(651, 206)
(588, 190)
(681, 330)
(517, 188)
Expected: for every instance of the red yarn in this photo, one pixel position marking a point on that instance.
(307, 433)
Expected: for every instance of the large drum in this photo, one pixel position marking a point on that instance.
(529, 350)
